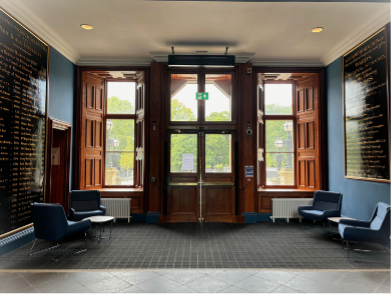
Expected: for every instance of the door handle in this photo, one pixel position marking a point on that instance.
(183, 184)
(218, 184)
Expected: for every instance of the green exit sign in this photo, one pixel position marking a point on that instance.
(201, 96)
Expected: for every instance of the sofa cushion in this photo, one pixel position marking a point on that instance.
(85, 205)
(325, 205)
(79, 215)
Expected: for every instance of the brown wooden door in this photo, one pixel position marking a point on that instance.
(308, 134)
(92, 130)
(201, 177)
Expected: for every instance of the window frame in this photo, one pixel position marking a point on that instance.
(270, 117)
(118, 116)
(201, 73)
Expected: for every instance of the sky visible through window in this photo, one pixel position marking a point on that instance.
(217, 101)
(278, 94)
(122, 90)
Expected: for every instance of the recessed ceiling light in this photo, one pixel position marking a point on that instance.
(317, 30)
(86, 26)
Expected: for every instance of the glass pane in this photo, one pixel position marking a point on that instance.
(279, 136)
(218, 105)
(183, 153)
(121, 97)
(218, 153)
(119, 168)
(120, 147)
(278, 99)
(183, 89)
(280, 169)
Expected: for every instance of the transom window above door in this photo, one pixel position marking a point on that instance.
(215, 106)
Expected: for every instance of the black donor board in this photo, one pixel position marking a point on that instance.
(366, 109)
(23, 103)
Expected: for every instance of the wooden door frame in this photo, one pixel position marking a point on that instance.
(55, 124)
(79, 131)
(322, 124)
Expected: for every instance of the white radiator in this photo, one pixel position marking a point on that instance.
(117, 207)
(288, 207)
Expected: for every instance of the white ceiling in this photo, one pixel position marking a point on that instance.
(126, 31)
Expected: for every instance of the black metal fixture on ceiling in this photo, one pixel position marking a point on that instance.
(204, 60)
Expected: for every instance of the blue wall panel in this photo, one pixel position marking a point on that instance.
(62, 93)
(359, 197)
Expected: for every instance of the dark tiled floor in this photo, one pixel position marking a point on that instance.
(197, 246)
(198, 281)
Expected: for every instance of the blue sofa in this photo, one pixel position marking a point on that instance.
(85, 203)
(50, 223)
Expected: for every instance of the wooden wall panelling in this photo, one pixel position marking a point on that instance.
(137, 196)
(156, 137)
(265, 198)
(246, 106)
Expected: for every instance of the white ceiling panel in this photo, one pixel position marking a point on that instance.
(130, 29)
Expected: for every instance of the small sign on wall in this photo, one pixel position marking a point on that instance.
(248, 171)
(55, 155)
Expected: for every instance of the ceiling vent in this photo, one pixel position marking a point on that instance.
(202, 60)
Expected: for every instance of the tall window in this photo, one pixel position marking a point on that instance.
(120, 133)
(279, 120)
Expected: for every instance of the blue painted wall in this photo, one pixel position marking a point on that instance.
(62, 93)
(359, 197)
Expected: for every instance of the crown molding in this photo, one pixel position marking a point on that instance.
(279, 62)
(163, 56)
(113, 61)
(368, 28)
(38, 27)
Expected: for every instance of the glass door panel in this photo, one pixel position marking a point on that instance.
(183, 153)
(218, 153)
(218, 105)
(183, 103)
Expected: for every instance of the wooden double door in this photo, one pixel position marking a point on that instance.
(201, 182)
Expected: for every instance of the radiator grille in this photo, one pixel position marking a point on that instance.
(288, 207)
(117, 207)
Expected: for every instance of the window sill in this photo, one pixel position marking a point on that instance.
(120, 190)
(285, 190)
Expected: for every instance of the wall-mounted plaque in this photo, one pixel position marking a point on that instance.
(23, 105)
(366, 109)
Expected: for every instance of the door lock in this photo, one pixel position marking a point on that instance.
(248, 131)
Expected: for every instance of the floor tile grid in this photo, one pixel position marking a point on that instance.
(214, 253)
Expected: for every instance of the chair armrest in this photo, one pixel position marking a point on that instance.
(102, 208)
(332, 213)
(72, 213)
(305, 207)
(354, 223)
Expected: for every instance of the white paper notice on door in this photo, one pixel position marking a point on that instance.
(187, 162)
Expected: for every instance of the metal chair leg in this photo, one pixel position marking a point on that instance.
(68, 255)
(44, 250)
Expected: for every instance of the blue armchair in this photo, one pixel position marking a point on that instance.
(84, 204)
(376, 230)
(325, 204)
(50, 223)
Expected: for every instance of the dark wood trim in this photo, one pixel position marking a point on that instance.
(54, 124)
(78, 131)
(289, 191)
